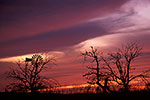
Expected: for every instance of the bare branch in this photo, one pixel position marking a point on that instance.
(28, 75)
(96, 75)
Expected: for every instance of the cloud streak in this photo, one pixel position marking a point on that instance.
(60, 38)
(27, 18)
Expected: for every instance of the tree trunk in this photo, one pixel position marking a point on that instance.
(102, 87)
(126, 88)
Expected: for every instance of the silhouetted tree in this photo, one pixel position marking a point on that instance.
(145, 79)
(27, 76)
(119, 64)
(96, 75)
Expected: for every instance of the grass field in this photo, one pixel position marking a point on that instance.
(80, 96)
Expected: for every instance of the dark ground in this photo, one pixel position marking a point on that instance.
(144, 95)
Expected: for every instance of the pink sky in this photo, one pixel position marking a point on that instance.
(66, 28)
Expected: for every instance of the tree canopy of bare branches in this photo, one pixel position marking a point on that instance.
(27, 75)
(96, 75)
(122, 60)
(114, 67)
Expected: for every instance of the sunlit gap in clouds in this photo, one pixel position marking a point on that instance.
(133, 16)
(141, 17)
(141, 7)
(130, 22)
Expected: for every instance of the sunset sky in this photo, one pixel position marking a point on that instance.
(65, 28)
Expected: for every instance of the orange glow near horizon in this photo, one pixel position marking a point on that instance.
(81, 88)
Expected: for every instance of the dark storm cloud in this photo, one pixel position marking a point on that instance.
(56, 40)
(21, 18)
(51, 40)
(29, 26)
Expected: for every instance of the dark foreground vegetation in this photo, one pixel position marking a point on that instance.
(103, 71)
(79, 96)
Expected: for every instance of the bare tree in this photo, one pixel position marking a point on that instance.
(27, 76)
(146, 79)
(96, 75)
(119, 64)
